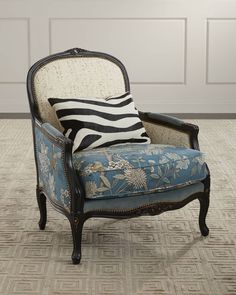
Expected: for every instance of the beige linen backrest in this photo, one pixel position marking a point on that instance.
(75, 77)
(78, 73)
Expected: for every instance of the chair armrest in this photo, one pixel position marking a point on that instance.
(165, 129)
(55, 172)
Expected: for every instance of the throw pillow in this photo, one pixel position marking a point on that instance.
(94, 122)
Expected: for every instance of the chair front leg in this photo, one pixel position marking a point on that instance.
(42, 208)
(76, 228)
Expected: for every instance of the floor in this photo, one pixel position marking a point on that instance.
(149, 255)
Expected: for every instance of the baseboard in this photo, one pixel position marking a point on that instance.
(178, 115)
(15, 116)
(203, 115)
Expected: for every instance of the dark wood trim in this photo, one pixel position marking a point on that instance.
(77, 192)
(42, 208)
(153, 209)
(76, 216)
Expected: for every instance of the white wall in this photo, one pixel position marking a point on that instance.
(180, 55)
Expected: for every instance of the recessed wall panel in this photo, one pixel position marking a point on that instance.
(13, 98)
(14, 50)
(153, 50)
(221, 51)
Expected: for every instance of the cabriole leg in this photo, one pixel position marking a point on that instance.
(42, 209)
(76, 228)
(204, 205)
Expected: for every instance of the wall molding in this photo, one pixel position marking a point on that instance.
(207, 53)
(133, 18)
(27, 19)
(177, 43)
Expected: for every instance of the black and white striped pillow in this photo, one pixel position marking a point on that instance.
(95, 122)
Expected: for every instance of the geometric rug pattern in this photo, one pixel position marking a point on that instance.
(158, 255)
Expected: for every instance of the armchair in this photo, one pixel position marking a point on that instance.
(113, 182)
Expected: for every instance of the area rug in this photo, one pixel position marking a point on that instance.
(157, 255)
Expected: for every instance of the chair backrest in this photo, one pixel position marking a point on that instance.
(74, 73)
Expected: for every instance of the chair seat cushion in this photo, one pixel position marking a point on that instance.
(133, 169)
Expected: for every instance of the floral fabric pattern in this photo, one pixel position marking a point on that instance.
(132, 169)
(52, 178)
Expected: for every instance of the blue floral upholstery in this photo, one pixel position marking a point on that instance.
(131, 169)
(52, 176)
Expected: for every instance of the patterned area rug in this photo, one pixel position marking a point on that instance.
(164, 254)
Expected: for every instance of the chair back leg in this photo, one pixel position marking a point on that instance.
(204, 205)
(204, 200)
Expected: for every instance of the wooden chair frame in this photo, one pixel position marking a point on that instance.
(76, 214)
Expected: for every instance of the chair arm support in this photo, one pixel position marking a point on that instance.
(55, 172)
(180, 127)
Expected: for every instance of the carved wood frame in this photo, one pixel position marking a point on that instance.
(76, 216)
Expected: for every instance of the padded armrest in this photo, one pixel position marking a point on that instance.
(164, 119)
(56, 174)
(170, 130)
